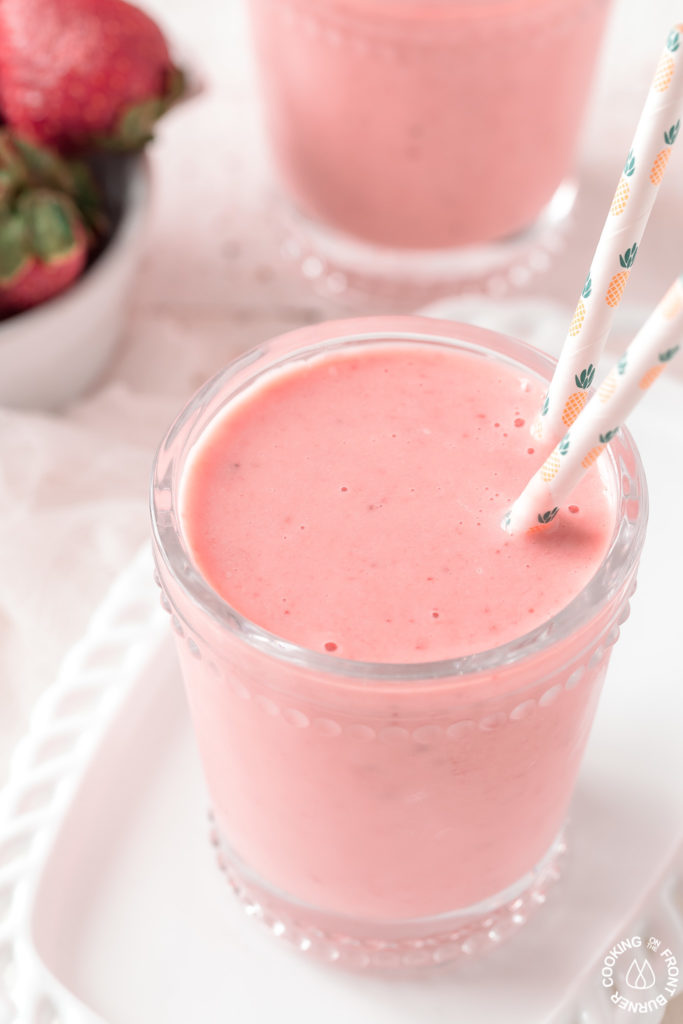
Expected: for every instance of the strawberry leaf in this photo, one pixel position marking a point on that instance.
(43, 166)
(176, 86)
(14, 248)
(12, 169)
(50, 219)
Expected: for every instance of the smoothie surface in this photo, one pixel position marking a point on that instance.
(352, 504)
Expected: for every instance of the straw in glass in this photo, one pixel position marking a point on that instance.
(646, 358)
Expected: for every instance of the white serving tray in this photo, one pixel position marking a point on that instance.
(112, 910)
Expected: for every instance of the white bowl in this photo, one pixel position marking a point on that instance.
(54, 352)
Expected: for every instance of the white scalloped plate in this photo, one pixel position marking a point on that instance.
(112, 910)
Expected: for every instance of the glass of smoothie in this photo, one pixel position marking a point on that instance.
(424, 144)
(391, 695)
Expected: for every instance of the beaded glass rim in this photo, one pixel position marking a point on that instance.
(175, 559)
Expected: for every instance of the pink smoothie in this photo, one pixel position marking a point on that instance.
(425, 123)
(351, 504)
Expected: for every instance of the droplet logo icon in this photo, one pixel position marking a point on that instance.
(640, 976)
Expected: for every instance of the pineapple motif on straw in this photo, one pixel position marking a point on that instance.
(653, 373)
(595, 452)
(544, 519)
(662, 158)
(665, 69)
(580, 313)
(551, 466)
(623, 188)
(618, 282)
(537, 425)
(639, 181)
(609, 384)
(578, 398)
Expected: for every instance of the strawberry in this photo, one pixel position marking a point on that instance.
(78, 74)
(50, 218)
(43, 249)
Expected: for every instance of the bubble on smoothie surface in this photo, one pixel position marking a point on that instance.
(404, 481)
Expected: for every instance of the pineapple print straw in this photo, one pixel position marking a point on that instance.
(648, 355)
(617, 248)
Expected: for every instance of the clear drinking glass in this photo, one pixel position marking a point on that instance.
(382, 814)
(423, 143)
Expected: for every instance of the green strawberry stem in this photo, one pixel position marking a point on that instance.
(176, 87)
(50, 220)
(12, 169)
(134, 127)
(43, 166)
(86, 195)
(14, 253)
(26, 167)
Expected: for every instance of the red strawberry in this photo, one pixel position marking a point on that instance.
(83, 73)
(49, 217)
(43, 249)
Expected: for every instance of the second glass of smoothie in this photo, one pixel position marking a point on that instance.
(413, 136)
(391, 696)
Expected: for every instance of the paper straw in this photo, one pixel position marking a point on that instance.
(648, 355)
(617, 248)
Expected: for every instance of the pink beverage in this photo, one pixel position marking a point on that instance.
(391, 696)
(425, 123)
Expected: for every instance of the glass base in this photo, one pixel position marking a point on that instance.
(418, 943)
(355, 273)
